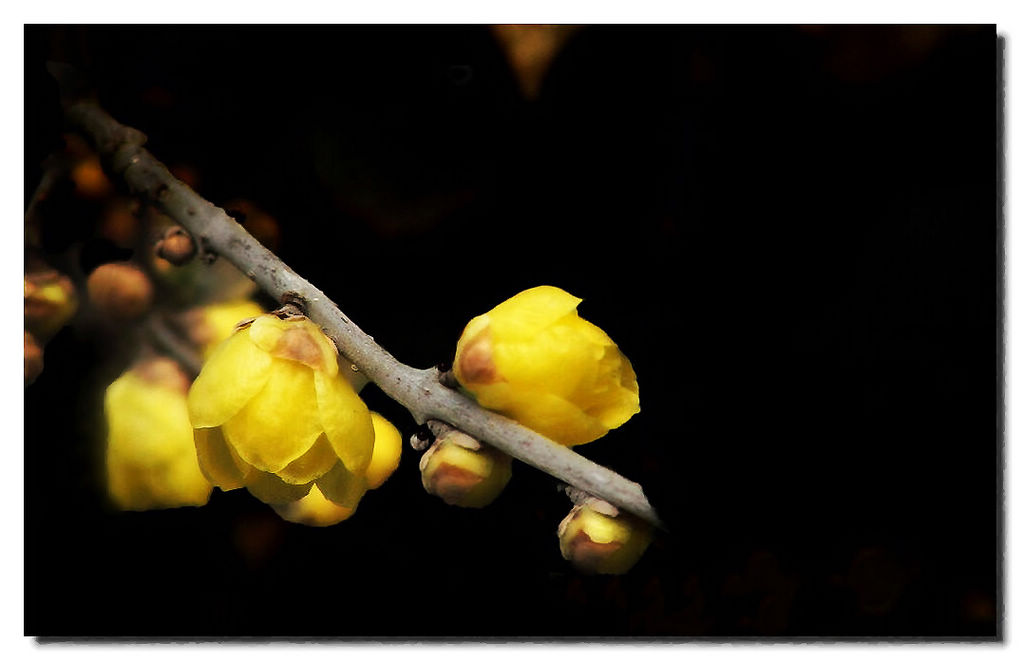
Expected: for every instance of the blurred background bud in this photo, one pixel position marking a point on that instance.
(151, 458)
(530, 50)
(207, 326)
(257, 221)
(120, 290)
(50, 301)
(176, 246)
(90, 180)
(119, 221)
(463, 472)
(601, 543)
(33, 359)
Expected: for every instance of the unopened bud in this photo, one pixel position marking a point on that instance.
(90, 180)
(463, 472)
(176, 246)
(50, 301)
(596, 542)
(120, 290)
(33, 359)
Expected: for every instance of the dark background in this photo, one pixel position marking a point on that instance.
(790, 231)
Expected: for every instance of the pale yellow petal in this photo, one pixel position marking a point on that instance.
(218, 461)
(346, 420)
(280, 423)
(269, 489)
(532, 310)
(311, 465)
(235, 372)
(314, 510)
(342, 487)
(387, 451)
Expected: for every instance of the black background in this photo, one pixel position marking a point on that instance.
(792, 233)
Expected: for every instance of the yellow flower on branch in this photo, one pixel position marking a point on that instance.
(532, 358)
(150, 458)
(273, 414)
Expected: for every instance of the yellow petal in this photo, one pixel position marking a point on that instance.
(297, 339)
(311, 465)
(218, 461)
(314, 510)
(342, 487)
(346, 420)
(280, 423)
(270, 489)
(235, 372)
(387, 451)
(532, 310)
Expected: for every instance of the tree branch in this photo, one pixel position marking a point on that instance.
(418, 390)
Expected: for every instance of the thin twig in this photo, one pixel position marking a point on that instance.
(418, 390)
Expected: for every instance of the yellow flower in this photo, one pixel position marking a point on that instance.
(463, 472)
(273, 414)
(532, 358)
(600, 543)
(151, 460)
(210, 325)
(315, 510)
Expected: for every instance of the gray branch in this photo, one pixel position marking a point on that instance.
(419, 390)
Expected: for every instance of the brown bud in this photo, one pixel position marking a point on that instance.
(120, 221)
(120, 290)
(90, 180)
(176, 246)
(33, 359)
(50, 301)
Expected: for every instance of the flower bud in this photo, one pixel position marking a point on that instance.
(151, 459)
(90, 180)
(463, 472)
(120, 290)
(33, 359)
(50, 301)
(120, 221)
(607, 543)
(176, 246)
(533, 359)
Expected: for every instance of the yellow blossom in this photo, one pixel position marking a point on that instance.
(463, 472)
(315, 510)
(532, 358)
(598, 542)
(273, 414)
(150, 459)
